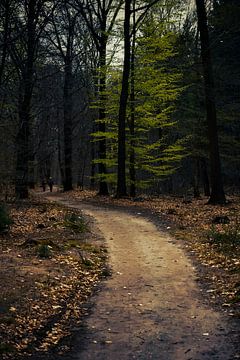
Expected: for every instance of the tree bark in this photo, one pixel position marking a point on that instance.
(196, 178)
(5, 39)
(121, 174)
(205, 180)
(102, 151)
(105, 14)
(132, 170)
(92, 180)
(22, 139)
(217, 195)
(67, 109)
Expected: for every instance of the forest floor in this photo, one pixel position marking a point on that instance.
(54, 269)
(50, 263)
(210, 234)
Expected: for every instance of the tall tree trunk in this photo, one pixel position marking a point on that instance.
(102, 169)
(205, 180)
(22, 139)
(132, 170)
(22, 142)
(217, 193)
(5, 39)
(92, 180)
(67, 108)
(100, 22)
(60, 158)
(196, 177)
(121, 174)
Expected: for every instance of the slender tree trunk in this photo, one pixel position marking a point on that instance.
(60, 160)
(22, 142)
(92, 180)
(217, 193)
(132, 170)
(206, 186)
(196, 178)
(22, 139)
(5, 39)
(102, 169)
(121, 175)
(67, 106)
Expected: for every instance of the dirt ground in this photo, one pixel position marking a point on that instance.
(48, 269)
(153, 306)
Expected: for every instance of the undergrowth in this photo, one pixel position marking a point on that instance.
(76, 223)
(5, 219)
(225, 236)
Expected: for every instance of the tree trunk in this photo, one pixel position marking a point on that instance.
(206, 186)
(67, 106)
(102, 169)
(121, 175)
(5, 39)
(196, 178)
(132, 170)
(92, 180)
(60, 158)
(217, 193)
(22, 139)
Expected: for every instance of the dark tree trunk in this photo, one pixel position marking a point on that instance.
(102, 12)
(92, 180)
(22, 139)
(217, 193)
(67, 107)
(196, 178)
(205, 179)
(5, 39)
(121, 175)
(102, 169)
(60, 158)
(132, 170)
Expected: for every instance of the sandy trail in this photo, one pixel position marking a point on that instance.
(151, 307)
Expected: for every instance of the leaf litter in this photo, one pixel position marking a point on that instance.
(45, 298)
(210, 235)
(44, 292)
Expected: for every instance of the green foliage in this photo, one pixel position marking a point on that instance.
(76, 223)
(228, 235)
(88, 263)
(157, 88)
(44, 251)
(5, 219)
(6, 348)
(158, 153)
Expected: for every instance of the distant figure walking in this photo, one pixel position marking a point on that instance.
(44, 185)
(50, 184)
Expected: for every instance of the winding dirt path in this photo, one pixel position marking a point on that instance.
(151, 307)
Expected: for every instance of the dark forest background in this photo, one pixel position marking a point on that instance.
(120, 96)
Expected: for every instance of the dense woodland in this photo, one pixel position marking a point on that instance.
(122, 96)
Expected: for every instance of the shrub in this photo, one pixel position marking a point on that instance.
(227, 235)
(44, 251)
(6, 348)
(76, 223)
(5, 219)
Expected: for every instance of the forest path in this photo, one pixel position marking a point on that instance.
(151, 307)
